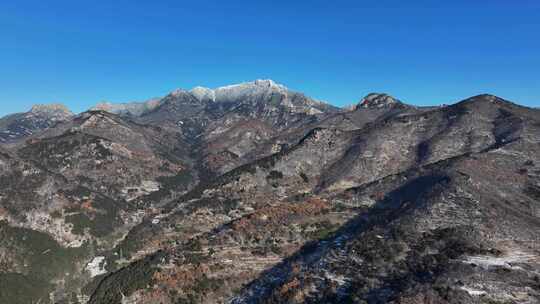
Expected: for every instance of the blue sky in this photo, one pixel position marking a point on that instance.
(423, 52)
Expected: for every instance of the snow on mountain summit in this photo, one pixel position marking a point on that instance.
(202, 93)
(264, 93)
(237, 91)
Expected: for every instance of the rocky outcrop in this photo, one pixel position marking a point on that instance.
(378, 100)
(22, 125)
(130, 108)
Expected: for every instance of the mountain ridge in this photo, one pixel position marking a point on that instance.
(250, 196)
(223, 93)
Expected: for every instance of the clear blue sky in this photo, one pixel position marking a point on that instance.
(423, 52)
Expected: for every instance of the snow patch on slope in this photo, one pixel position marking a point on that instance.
(508, 260)
(96, 266)
(238, 91)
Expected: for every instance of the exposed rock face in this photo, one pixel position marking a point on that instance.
(53, 111)
(377, 100)
(259, 92)
(130, 108)
(205, 94)
(209, 117)
(17, 126)
(245, 194)
(254, 98)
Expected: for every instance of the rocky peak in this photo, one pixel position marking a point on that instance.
(129, 108)
(262, 95)
(267, 83)
(378, 100)
(39, 118)
(260, 87)
(203, 93)
(178, 92)
(179, 97)
(55, 110)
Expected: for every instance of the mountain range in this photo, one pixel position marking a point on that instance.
(254, 193)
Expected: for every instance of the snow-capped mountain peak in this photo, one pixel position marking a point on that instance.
(236, 91)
